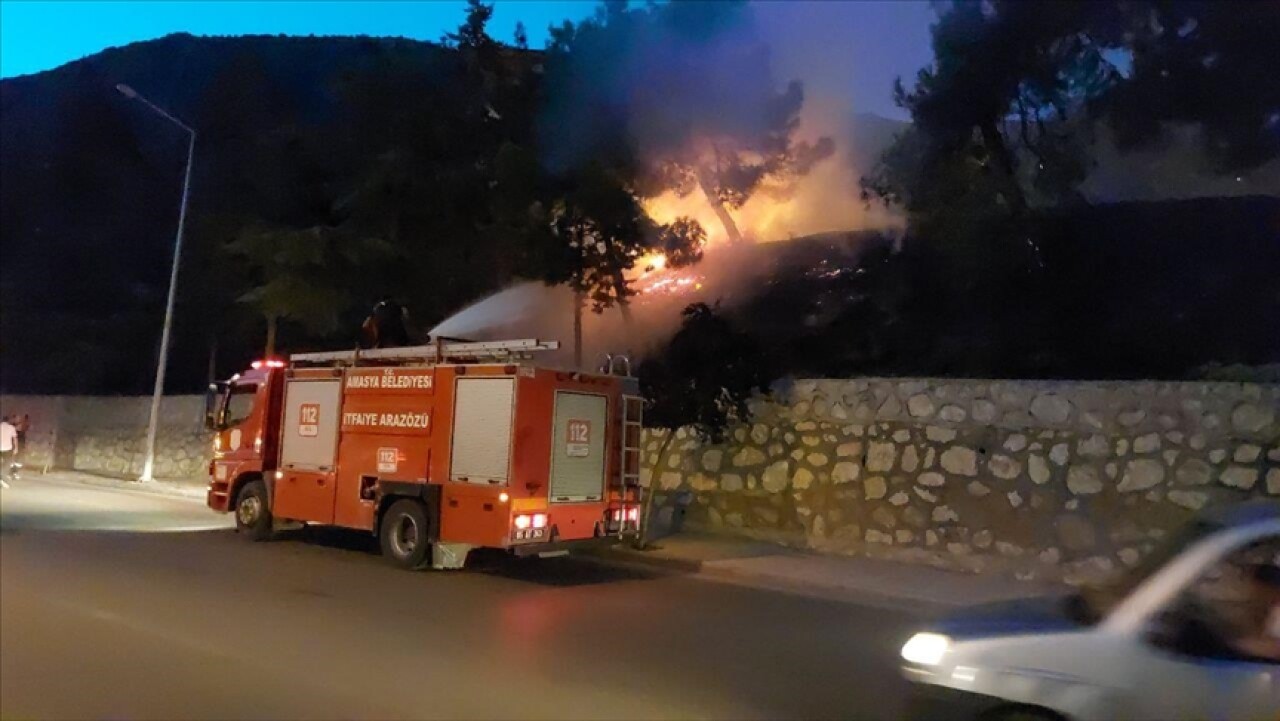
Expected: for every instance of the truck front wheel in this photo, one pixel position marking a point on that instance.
(253, 514)
(404, 534)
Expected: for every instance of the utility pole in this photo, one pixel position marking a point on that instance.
(149, 459)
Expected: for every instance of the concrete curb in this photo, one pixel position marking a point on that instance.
(910, 598)
(627, 556)
(158, 488)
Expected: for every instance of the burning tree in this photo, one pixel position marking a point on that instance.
(688, 90)
(701, 381)
(594, 231)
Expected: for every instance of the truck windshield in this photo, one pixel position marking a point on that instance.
(240, 403)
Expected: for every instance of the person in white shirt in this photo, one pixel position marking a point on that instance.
(8, 448)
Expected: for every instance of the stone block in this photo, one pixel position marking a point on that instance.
(817, 460)
(1193, 500)
(748, 456)
(978, 489)
(1193, 472)
(914, 517)
(1148, 443)
(1251, 418)
(1247, 453)
(711, 460)
(931, 479)
(767, 515)
(884, 517)
(920, 406)
(960, 460)
(852, 449)
(759, 433)
(881, 456)
(874, 488)
(1273, 481)
(925, 495)
(845, 472)
(1060, 454)
(1239, 477)
(1083, 480)
(1050, 408)
(983, 539)
(1038, 469)
(910, 459)
(802, 479)
(1095, 446)
(1004, 467)
(1015, 442)
(984, 411)
(900, 499)
(1141, 474)
(874, 536)
(776, 476)
(1132, 417)
(952, 414)
(939, 434)
(944, 514)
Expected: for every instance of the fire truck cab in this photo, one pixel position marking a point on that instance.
(435, 449)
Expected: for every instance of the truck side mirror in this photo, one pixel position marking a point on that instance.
(213, 406)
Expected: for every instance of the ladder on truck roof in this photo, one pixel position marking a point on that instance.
(435, 353)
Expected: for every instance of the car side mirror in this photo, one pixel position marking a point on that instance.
(1169, 630)
(1184, 632)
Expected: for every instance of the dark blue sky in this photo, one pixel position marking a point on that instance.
(852, 48)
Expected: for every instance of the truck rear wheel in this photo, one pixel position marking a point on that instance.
(404, 534)
(253, 513)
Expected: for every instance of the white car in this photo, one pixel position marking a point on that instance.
(1147, 647)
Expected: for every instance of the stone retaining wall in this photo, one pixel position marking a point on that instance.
(106, 434)
(1039, 478)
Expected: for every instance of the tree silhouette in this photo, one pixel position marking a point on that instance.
(701, 381)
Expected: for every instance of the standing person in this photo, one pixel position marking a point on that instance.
(386, 326)
(8, 449)
(22, 425)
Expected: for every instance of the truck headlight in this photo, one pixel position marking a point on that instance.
(926, 649)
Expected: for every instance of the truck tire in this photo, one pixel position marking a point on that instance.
(253, 512)
(404, 534)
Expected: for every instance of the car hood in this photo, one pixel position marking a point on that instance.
(1049, 614)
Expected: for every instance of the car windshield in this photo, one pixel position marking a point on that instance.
(1097, 600)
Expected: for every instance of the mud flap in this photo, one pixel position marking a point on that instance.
(448, 556)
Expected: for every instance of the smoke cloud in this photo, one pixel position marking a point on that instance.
(707, 75)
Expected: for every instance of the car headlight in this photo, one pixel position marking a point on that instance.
(926, 649)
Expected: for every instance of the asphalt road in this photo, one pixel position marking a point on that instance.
(117, 604)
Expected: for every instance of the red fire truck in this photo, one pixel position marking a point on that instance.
(436, 449)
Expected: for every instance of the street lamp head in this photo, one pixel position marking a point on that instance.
(126, 91)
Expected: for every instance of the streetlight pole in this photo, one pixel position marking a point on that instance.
(148, 461)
